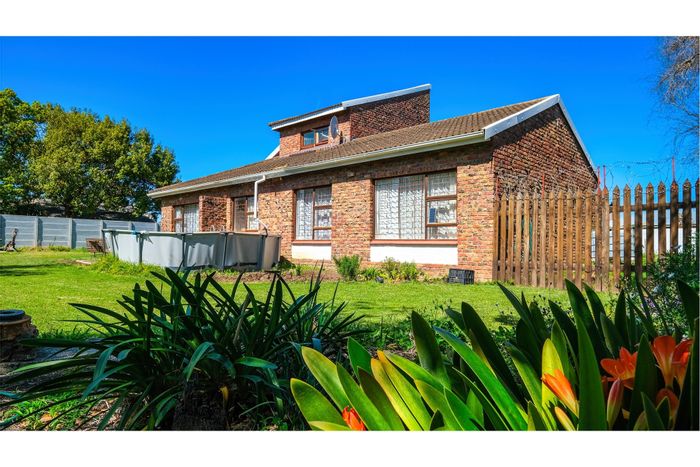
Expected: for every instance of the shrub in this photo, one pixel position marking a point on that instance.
(409, 271)
(370, 273)
(576, 374)
(398, 271)
(660, 283)
(348, 266)
(189, 356)
(392, 268)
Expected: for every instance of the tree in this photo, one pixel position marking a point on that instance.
(677, 87)
(85, 164)
(20, 124)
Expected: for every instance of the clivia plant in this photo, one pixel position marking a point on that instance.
(586, 371)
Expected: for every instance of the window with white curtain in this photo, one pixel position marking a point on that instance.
(186, 218)
(314, 214)
(416, 207)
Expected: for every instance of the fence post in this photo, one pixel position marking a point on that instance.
(36, 232)
(616, 236)
(587, 237)
(598, 227)
(662, 218)
(518, 237)
(2, 230)
(638, 257)
(674, 216)
(70, 233)
(525, 271)
(496, 217)
(502, 246)
(509, 242)
(550, 262)
(687, 216)
(605, 239)
(650, 225)
(579, 237)
(532, 280)
(627, 226)
(569, 236)
(543, 241)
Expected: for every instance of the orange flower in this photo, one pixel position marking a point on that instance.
(621, 368)
(353, 420)
(672, 400)
(561, 387)
(617, 391)
(681, 355)
(663, 348)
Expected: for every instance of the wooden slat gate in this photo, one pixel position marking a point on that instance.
(593, 237)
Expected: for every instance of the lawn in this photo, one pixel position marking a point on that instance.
(44, 283)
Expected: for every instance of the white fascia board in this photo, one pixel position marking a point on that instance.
(386, 95)
(331, 111)
(273, 153)
(353, 102)
(519, 117)
(405, 150)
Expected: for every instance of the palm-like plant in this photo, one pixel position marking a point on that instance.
(150, 355)
(562, 378)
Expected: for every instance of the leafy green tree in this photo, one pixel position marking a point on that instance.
(20, 125)
(84, 163)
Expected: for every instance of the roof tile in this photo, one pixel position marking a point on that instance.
(425, 132)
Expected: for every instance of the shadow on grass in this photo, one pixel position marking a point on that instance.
(27, 269)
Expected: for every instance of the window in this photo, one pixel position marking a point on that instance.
(417, 207)
(314, 214)
(243, 215)
(187, 218)
(314, 137)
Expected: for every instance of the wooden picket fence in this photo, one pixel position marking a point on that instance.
(589, 236)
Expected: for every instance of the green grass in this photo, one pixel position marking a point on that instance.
(44, 283)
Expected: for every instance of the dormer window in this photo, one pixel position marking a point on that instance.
(314, 137)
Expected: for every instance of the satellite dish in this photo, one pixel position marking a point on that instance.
(333, 127)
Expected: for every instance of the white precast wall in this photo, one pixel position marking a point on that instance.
(319, 252)
(421, 254)
(37, 231)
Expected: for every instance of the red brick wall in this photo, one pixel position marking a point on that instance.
(166, 218)
(541, 145)
(213, 213)
(215, 207)
(353, 203)
(391, 114)
(290, 137)
(364, 120)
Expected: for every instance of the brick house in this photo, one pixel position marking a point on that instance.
(375, 177)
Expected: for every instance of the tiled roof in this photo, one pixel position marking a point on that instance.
(423, 133)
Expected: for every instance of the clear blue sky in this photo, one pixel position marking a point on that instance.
(210, 99)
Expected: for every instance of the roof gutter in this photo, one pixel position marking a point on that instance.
(405, 150)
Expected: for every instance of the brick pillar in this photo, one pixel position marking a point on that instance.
(212, 213)
(276, 210)
(475, 185)
(166, 219)
(229, 214)
(353, 218)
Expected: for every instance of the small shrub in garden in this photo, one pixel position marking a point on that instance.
(398, 271)
(370, 273)
(592, 372)
(663, 297)
(185, 355)
(409, 271)
(348, 266)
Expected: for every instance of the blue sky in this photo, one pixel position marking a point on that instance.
(210, 99)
